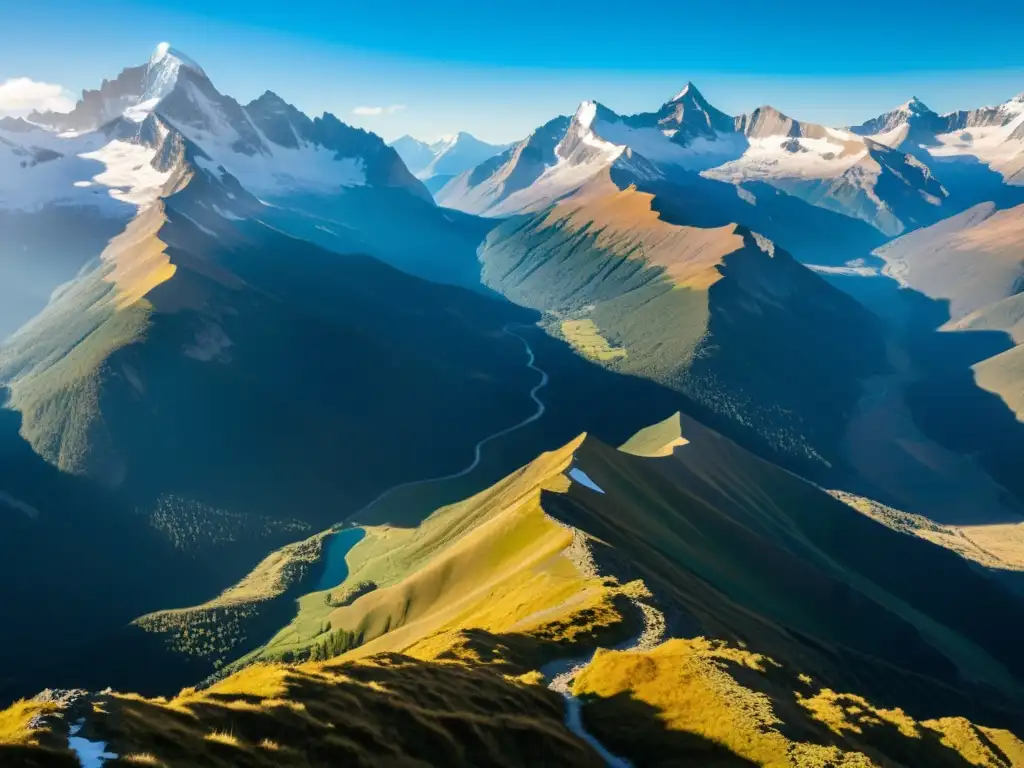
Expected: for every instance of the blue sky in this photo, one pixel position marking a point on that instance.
(500, 69)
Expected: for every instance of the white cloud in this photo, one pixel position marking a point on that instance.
(20, 95)
(373, 111)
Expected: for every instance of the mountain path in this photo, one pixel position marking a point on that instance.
(478, 448)
(562, 673)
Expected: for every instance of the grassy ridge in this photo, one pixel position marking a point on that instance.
(493, 562)
(746, 551)
(718, 315)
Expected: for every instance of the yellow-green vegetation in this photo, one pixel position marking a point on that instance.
(386, 711)
(722, 705)
(25, 742)
(995, 545)
(57, 359)
(221, 629)
(586, 338)
(656, 440)
(193, 526)
(495, 563)
(16, 720)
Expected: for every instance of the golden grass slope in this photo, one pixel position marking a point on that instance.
(659, 439)
(727, 706)
(484, 592)
(495, 562)
(626, 223)
(388, 711)
(55, 361)
(995, 545)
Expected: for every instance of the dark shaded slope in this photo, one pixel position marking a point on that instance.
(233, 389)
(754, 554)
(402, 230)
(812, 234)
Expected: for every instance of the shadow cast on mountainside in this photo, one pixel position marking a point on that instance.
(630, 727)
(580, 396)
(812, 234)
(970, 181)
(386, 710)
(19, 756)
(846, 599)
(942, 394)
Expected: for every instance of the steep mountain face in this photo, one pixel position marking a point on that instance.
(978, 154)
(445, 158)
(219, 382)
(686, 116)
(61, 199)
(911, 122)
(515, 169)
(654, 555)
(835, 169)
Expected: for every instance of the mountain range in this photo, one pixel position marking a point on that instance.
(907, 168)
(654, 439)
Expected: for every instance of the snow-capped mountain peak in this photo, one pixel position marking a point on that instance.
(914, 106)
(162, 71)
(687, 90)
(686, 116)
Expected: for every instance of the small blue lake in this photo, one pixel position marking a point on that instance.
(336, 548)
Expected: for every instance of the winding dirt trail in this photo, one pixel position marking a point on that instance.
(539, 410)
(562, 673)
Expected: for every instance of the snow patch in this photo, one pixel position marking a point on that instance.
(199, 226)
(142, 110)
(226, 214)
(91, 754)
(582, 478)
(129, 172)
(162, 72)
(849, 271)
(768, 158)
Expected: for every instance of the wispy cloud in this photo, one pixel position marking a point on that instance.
(21, 95)
(372, 111)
